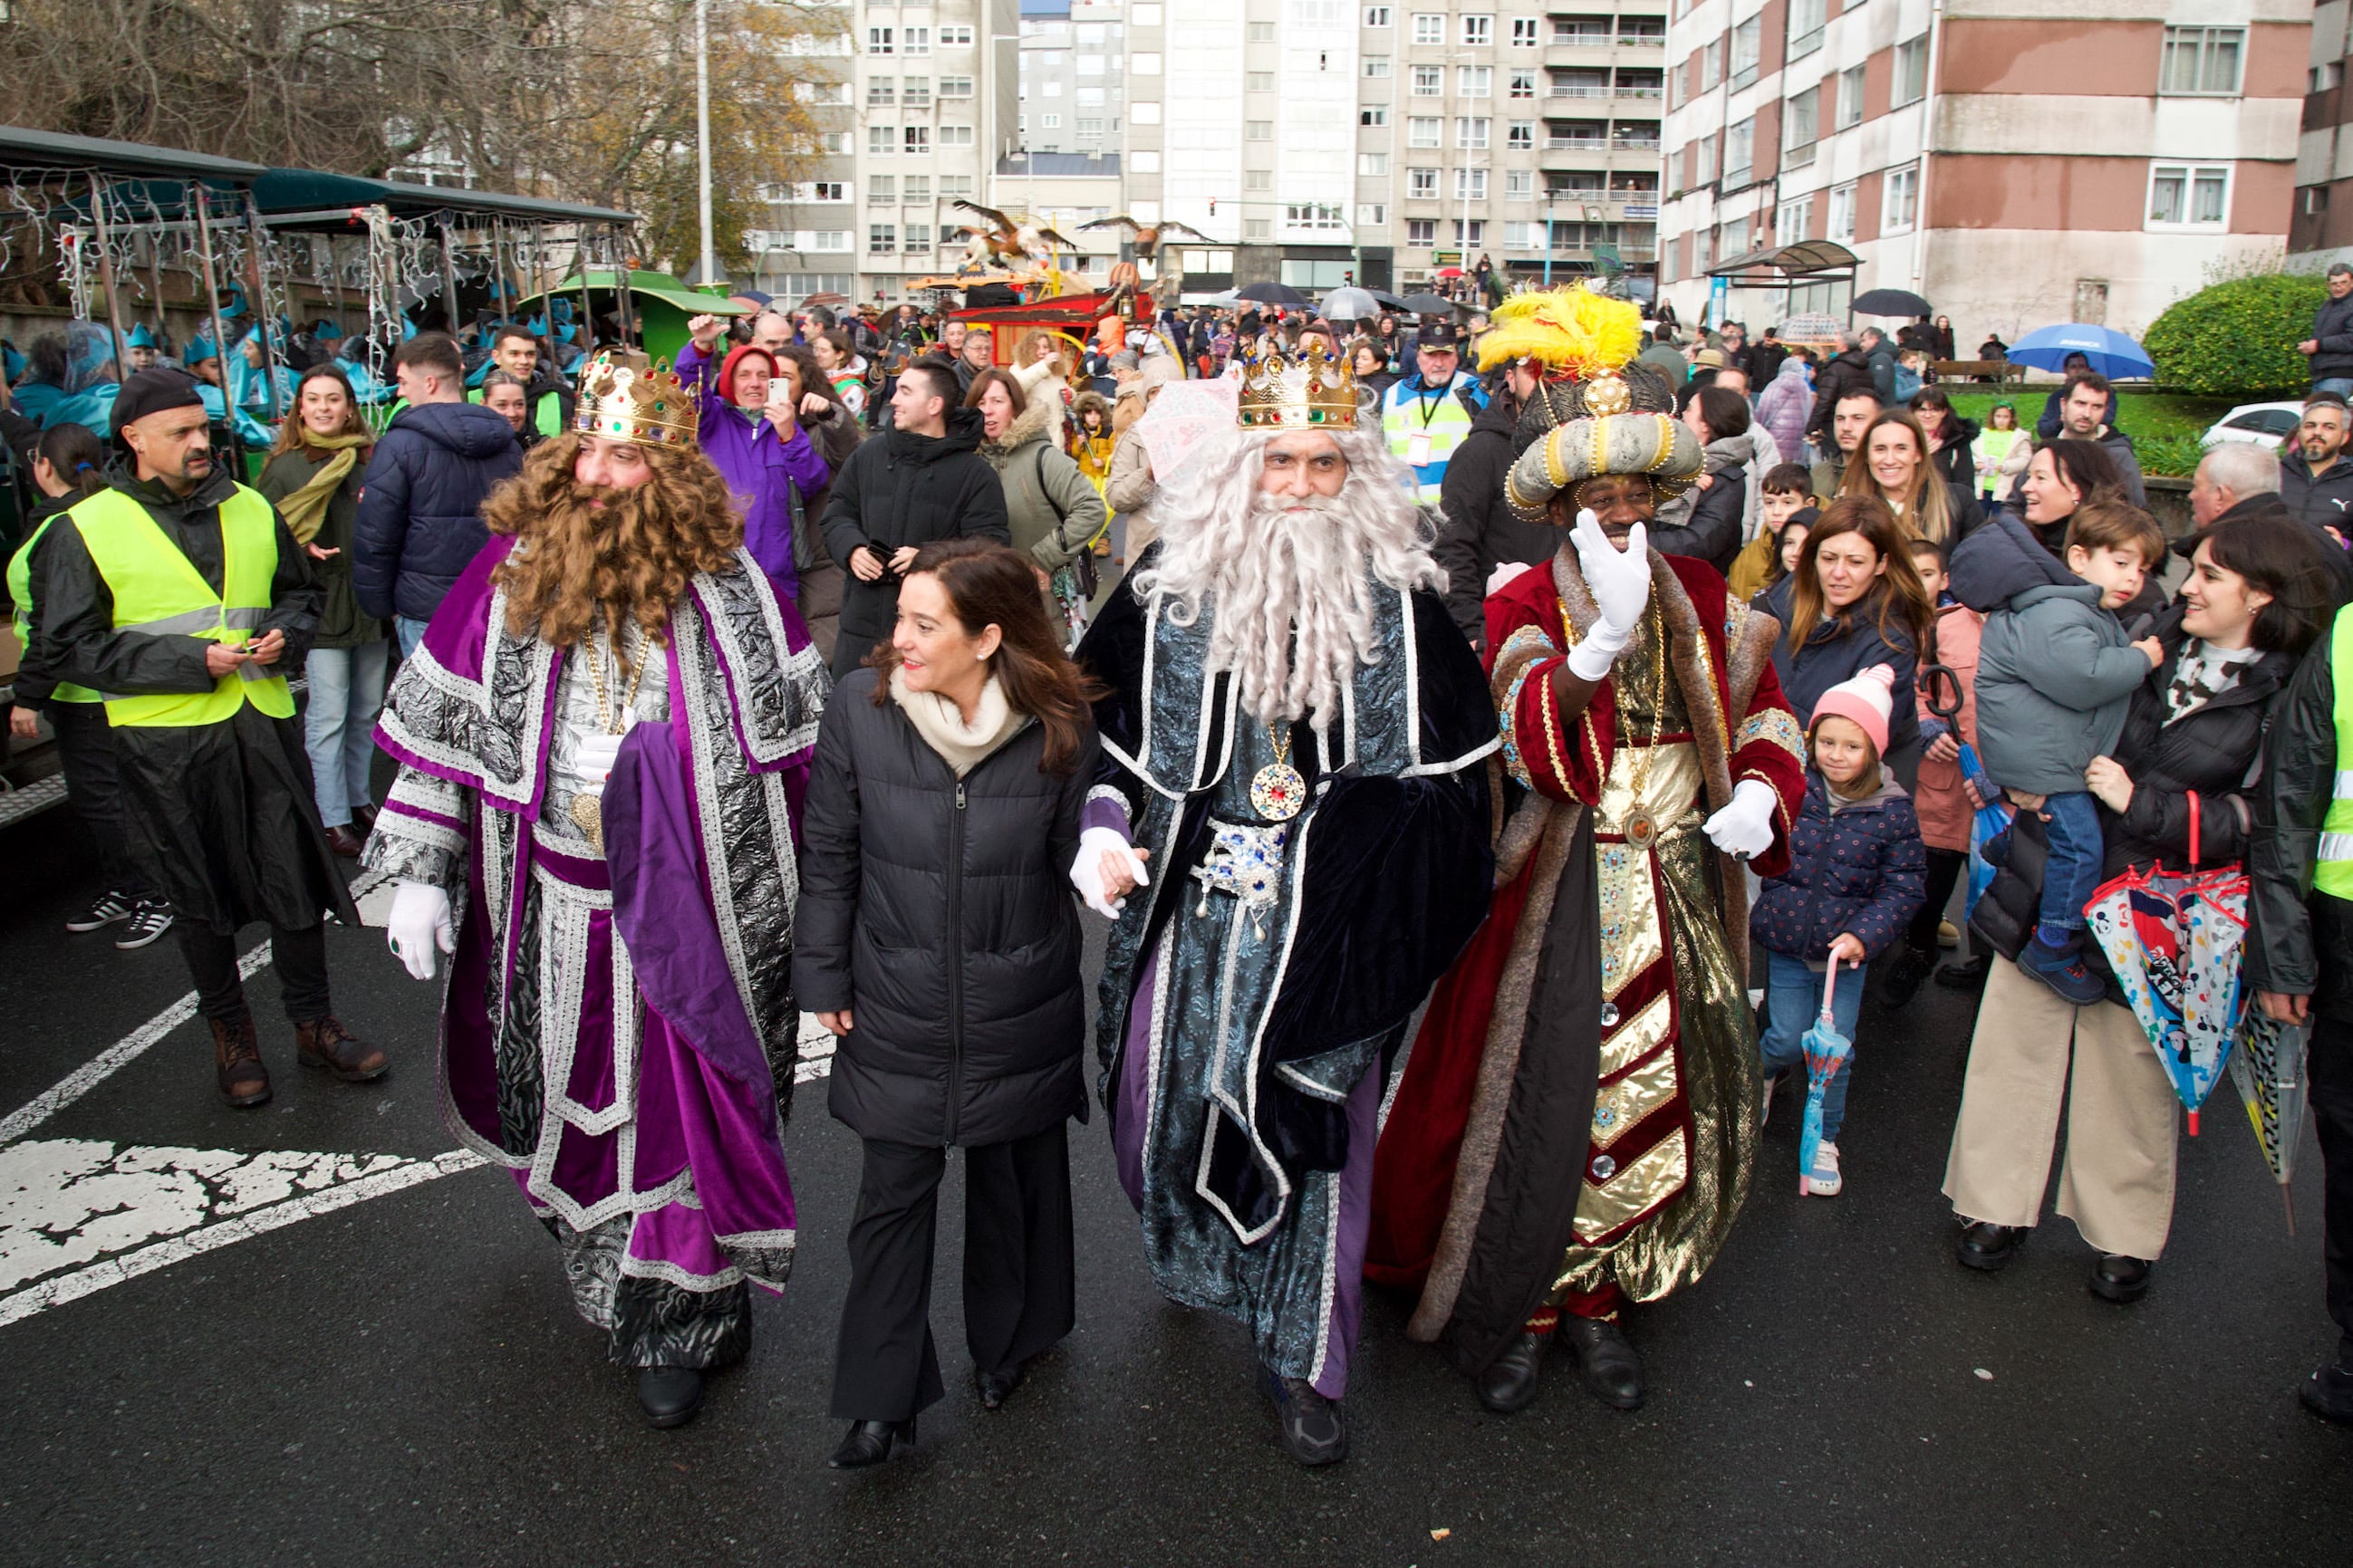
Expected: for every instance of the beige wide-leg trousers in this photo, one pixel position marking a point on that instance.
(2032, 1050)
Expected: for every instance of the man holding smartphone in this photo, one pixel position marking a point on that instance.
(750, 430)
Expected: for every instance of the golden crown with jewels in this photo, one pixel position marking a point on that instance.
(1312, 389)
(624, 398)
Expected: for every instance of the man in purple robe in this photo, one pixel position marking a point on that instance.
(603, 742)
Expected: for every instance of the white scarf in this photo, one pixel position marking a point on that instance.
(940, 722)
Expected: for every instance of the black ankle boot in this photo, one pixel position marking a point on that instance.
(670, 1394)
(1612, 1370)
(1509, 1384)
(2120, 1279)
(871, 1442)
(1314, 1433)
(1986, 1246)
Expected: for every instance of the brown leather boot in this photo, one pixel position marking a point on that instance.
(325, 1043)
(236, 1063)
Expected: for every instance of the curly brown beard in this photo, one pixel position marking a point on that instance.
(630, 556)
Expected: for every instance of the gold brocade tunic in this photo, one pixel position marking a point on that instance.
(1674, 1137)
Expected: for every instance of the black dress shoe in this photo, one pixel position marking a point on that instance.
(1905, 976)
(2328, 1394)
(1314, 1433)
(344, 842)
(1509, 1384)
(1967, 976)
(996, 1387)
(2120, 1279)
(1983, 1245)
(871, 1442)
(1612, 1370)
(670, 1394)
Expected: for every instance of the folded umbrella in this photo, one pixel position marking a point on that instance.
(1826, 1050)
(2110, 353)
(2268, 1068)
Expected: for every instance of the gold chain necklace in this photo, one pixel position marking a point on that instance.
(588, 811)
(1642, 826)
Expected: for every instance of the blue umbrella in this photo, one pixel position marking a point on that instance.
(1826, 1050)
(2112, 353)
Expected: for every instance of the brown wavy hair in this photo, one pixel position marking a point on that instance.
(991, 585)
(1927, 509)
(1898, 602)
(294, 433)
(631, 557)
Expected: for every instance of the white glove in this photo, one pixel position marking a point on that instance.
(596, 754)
(1744, 828)
(419, 922)
(1619, 582)
(1086, 871)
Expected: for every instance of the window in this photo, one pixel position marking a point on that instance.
(1258, 130)
(1146, 112)
(914, 40)
(1262, 32)
(1523, 236)
(1089, 65)
(1429, 28)
(880, 91)
(1805, 27)
(1735, 237)
(2203, 60)
(1430, 81)
(1144, 16)
(1745, 41)
(1842, 212)
(1703, 250)
(1421, 231)
(1258, 179)
(915, 91)
(1739, 152)
(1707, 165)
(1472, 233)
(833, 143)
(821, 191)
(1376, 66)
(1425, 131)
(1522, 84)
(951, 235)
(1089, 97)
(882, 190)
(1258, 229)
(955, 38)
(1471, 184)
(1474, 81)
(1471, 133)
(1376, 16)
(919, 188)
(882, 141)
(1091, 130)
(1373, 114)
(956, 87)
(1312, 214)
(1899, 199)
(954, 185)
(1520, 135)
(950, 136)
(1421, 185)
(882, 238)
(2189, 196)
(1259, 82)
(1051, 89)
(1850, 97)
(1790, 224)
(1372, 214)
(1519, 184)
(1144, 65)
(1478, 32)
(1372, 162)
(878, 41)
(917, 139)
(1911, 72)
(829, 239)
(1144, 161)
(1524, 32)
(1800, 128)
(1710, 64)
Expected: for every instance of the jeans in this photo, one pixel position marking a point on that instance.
(1794, 1002)
(2073, 873)
(410, 631)
(338, 725)
(2342, 386)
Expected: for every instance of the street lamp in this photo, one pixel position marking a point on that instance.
(1550, 196)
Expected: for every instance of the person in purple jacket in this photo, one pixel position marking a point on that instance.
(756, 442)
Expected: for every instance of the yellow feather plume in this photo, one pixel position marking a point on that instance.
(1572, 329)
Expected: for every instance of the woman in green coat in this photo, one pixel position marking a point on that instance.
(313, 477)
(1055, 511)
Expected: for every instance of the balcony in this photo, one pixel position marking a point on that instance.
(1641, 40)
(1634, 144)
(1595, 90)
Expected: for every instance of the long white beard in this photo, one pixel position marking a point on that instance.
(1292, 586)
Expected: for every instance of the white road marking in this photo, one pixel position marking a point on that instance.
(74, 1204)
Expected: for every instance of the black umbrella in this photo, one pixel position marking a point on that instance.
(1427, 305)
(1271, 294)
(1384, 300)
(1889, 303)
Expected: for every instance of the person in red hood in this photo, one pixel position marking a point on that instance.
(751, 429)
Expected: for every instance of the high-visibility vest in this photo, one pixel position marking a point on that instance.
(2334, 873)
(1405, 417)
(158, 590)
(20, 595)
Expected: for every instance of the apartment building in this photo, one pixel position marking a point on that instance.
(2014, 165)
(2320, 230)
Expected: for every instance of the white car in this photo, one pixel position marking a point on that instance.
(2267, 423)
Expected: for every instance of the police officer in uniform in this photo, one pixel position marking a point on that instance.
(1426, 414)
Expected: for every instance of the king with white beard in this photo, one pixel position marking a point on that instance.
(1291, 830)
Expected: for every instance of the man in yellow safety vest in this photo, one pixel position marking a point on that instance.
(1426, 415)
(180, 594)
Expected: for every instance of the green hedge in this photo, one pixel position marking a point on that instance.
(2237, 338)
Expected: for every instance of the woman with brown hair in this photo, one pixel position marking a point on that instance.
(1896, 463)
(938, 939)
(313, 476)
(1853, 601)
(1054, 511)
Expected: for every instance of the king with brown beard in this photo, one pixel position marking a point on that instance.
(603, 740)
(1291, 747)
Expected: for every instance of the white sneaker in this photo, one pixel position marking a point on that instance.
(1823, 1181)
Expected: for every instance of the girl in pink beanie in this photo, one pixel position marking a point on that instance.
(1854, 881)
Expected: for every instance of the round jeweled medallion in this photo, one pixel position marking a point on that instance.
(1641, 830)
(1277, 791)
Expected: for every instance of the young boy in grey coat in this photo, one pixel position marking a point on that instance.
(2055, 677)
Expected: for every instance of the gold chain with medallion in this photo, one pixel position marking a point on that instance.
(1642, 826)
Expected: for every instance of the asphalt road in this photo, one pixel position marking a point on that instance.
(209, 1362)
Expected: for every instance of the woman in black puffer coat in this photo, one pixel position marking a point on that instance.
(2258, 592)
(938, 939)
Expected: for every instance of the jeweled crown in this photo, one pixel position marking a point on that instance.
(624, 398)
(1312, 389)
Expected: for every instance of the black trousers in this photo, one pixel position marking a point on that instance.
(94, 786)
(300, 957)
(1021, 1290)
(2332, 1110)
(1944, 874)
